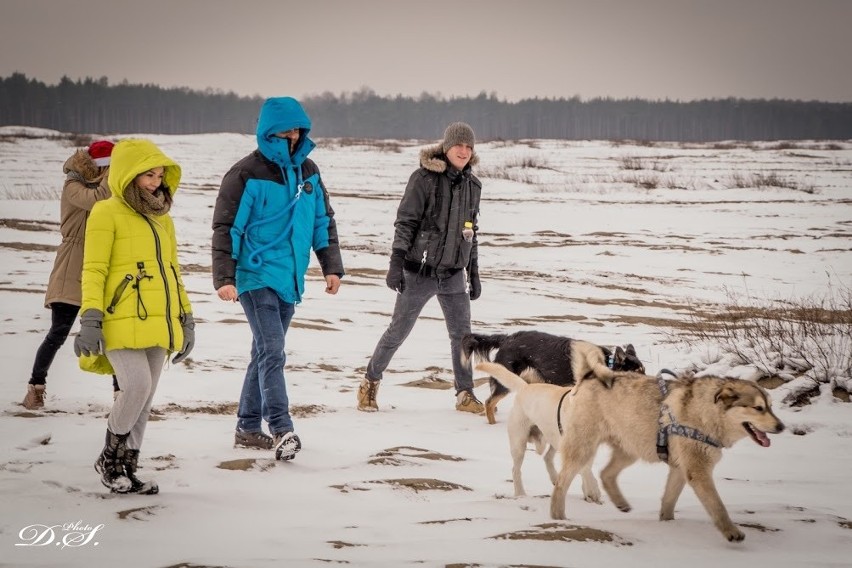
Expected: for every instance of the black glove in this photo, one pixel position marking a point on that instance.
(395, 278)
(187, 323)
(90, 340)
(475, 286)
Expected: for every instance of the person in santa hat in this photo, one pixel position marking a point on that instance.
(86, 174)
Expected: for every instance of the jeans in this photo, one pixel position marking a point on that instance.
(62, 318)
(454, 300)
(264, 394)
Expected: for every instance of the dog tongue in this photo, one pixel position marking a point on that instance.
(760, 437)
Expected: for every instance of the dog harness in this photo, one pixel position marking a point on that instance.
(674, 427)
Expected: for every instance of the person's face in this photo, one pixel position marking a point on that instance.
(459, 155)
(150, 180)
(292, 135)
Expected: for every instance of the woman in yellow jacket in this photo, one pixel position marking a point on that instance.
(134, 309)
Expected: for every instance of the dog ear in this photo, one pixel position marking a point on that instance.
(630, 349)
(618, 358)
(727, 395)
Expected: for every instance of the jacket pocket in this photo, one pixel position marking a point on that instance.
(119, 291)
(464, 252)
(425, 249)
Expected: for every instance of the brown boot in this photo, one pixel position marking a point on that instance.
(35, 397)
(467, 402)
(367, 392)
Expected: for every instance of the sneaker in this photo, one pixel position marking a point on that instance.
(286, 446)
(253, 440)
(367, 392)
(467, 402)
(35, 397)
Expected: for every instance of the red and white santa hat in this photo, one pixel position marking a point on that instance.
(100, 151)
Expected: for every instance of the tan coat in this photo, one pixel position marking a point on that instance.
(85, 184)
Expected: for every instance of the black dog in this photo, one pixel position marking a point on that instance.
(541, 357)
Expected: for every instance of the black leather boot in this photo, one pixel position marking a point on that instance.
(110, 464)
(131, 464)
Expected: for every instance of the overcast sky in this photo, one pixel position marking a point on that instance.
(655, 49)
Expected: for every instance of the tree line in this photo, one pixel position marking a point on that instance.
(89, 106)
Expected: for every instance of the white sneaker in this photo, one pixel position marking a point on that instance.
(286, 445)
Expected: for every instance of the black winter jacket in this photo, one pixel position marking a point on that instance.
(437, 203)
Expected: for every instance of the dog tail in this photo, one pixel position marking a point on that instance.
(503, 375)
(480, 346)
(588, 361)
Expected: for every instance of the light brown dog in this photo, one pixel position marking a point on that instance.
(536, 415)
(699, 417)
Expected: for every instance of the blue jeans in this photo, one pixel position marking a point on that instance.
(454, 300)
(264, 394)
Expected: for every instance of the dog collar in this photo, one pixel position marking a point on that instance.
(673, 426)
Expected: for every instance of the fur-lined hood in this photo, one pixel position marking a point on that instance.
(81, 164)
(433, 158)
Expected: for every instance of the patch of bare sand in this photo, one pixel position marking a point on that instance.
(246, 464)
(230, 408)
(407, 455)
(138, 513)
(416, 484)
(563, 532)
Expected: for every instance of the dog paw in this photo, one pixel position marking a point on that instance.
(594, 499)
(733, 534)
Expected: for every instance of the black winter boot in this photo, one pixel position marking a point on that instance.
(131, 461)
(110, 464)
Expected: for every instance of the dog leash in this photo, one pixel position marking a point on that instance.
(673, 427)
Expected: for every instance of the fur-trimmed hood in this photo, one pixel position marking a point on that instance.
(433, 158)
(81, 164)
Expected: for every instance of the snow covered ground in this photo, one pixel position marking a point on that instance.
(599, 241)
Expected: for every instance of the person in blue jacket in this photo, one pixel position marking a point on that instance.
(271, 210)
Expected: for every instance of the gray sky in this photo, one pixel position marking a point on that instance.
(656, 49)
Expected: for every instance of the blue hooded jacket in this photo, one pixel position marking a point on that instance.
(275, 209)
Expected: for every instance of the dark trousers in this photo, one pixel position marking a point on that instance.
(454, 299)
(62, 318)
(61, 321)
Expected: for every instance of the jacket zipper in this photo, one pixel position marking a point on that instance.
(165, 283)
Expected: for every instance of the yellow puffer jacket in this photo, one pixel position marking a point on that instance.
(130, 266)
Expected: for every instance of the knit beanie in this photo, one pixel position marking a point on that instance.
(100, 152)
(458, 133)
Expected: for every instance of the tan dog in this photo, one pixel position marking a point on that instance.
(536, 415)
(699, 417)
